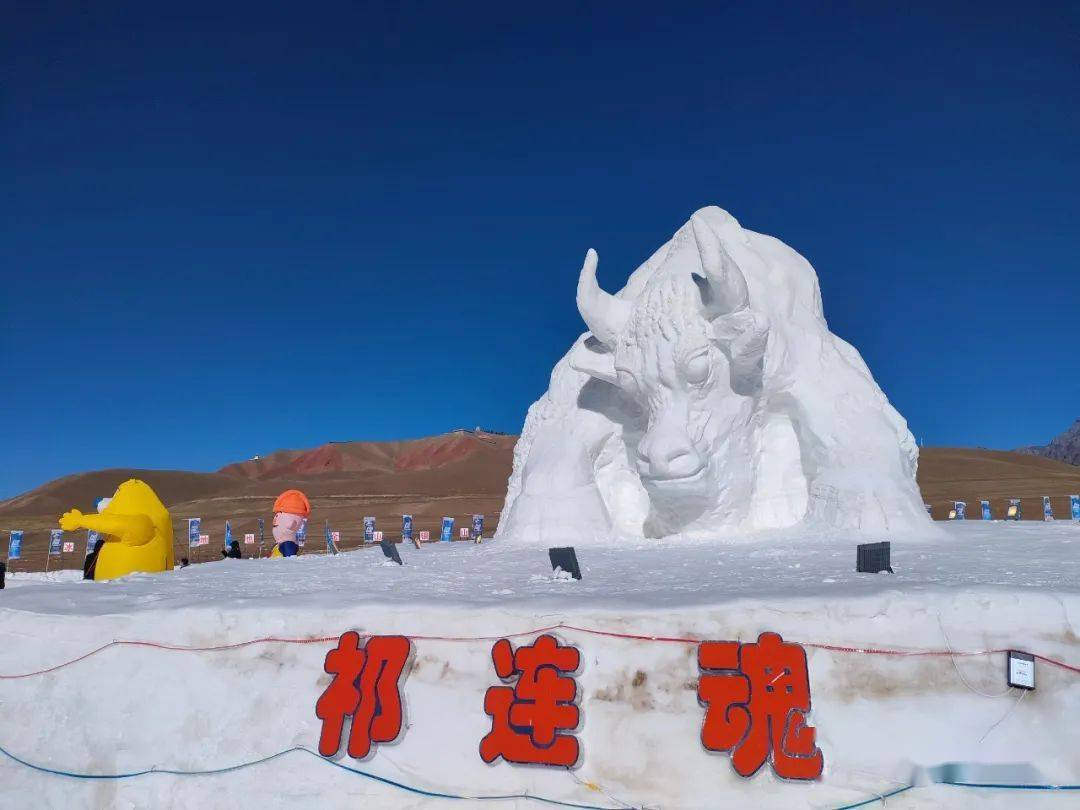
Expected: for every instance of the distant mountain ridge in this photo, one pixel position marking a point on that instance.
(408, 455)
(1065, 447)
(469, 468)
(455, 463)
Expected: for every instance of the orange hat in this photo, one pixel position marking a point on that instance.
(294, 502)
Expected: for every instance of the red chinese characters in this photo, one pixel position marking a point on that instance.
(367, 688)
(527, 718)
(757, 697)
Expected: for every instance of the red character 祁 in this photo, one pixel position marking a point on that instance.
(366, 687)
(756, 698)
(526, 718)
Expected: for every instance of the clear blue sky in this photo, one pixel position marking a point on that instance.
(394, 203)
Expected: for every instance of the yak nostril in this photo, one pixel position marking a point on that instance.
(668, 459)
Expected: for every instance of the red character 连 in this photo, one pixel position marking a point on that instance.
(527, 718)
(367, 688)
(757, 697)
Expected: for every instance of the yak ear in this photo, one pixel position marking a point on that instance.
(593, 358)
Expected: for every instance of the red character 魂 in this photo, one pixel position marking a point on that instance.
(527, 718)
(757, 697)
(366, 687)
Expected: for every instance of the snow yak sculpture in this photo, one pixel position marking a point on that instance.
(710, 399)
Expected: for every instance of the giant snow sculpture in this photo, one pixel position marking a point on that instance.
(710, 399)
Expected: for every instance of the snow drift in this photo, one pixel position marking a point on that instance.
(709, 398)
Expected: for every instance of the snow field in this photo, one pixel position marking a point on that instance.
(127, 708)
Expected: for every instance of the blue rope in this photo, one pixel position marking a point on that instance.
(1012, 787)
(881, 797)
(436, 794)
(295, 749)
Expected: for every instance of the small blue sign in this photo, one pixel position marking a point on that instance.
(194, 528)
(985, 509)
(369, 529)
(92, 538)
(478, 527)
(406, 528)
(961, 509)
(1048, 510)
(15, 545)
(56, 541)
(1074, 506)
(447, 529)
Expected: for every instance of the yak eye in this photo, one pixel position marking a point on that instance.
(697, 368)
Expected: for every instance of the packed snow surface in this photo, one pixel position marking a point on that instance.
(971, 586)
(1024, 556)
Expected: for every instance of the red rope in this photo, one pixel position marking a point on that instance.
(586, 630)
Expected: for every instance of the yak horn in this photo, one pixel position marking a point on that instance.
(724, 289)
(604, 314)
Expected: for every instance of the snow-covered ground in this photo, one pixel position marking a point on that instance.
(974, 586)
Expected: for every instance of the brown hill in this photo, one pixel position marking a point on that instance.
(456, 474)
(378, 458)
(948, 474)
(82, 490)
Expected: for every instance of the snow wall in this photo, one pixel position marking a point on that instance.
(130, 708)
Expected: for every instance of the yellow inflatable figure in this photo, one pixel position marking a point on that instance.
(136, 528)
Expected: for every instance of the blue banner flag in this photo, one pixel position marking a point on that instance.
(15, 545)
(262, 530)
(961, 509)
(1074, 506)
(56, 540)
(301, 533)
(1016, 511)
(985, 509)
(92, 538)
(406, 528)
(369, 529)
(194, 528)
(1048, 511)
(330, 547)
(478, 527)
(447, 529)
(228, 534)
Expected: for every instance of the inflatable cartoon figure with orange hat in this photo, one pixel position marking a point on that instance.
(291, 511)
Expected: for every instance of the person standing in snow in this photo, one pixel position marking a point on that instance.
(90, 563)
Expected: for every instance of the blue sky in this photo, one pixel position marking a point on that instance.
(393, 205)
